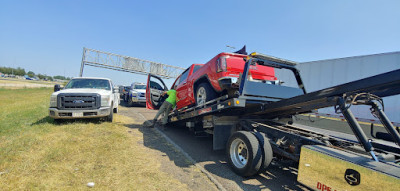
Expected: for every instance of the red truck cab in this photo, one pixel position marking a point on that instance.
(203, 82)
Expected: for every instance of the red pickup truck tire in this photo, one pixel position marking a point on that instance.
(204, 93)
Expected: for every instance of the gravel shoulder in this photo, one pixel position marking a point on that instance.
(172, 161)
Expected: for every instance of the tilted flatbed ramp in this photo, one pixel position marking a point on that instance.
(383, 85)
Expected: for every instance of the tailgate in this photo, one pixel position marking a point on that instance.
(235, 66)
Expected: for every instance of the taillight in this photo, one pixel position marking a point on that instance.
(221, 64)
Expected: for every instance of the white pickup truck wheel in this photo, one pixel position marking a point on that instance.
(244, 153)
(111, 116)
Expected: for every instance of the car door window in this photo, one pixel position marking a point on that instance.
(184, 76)
(156, 84)
(196, 67)
(176, 82)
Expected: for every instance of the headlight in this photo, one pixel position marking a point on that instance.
(234, 80)
(105, 100)
(53, 101)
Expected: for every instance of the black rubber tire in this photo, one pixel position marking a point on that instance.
(115, 110)
(210, 92)
(111, 116)
(130, 103)
(267, 152)
(254, 162)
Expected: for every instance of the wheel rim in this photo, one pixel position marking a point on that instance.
(201, 96)
(239, 153)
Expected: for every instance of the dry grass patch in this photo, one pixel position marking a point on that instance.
(36, 154)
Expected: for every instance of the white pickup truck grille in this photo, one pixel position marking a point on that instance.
(78, 101)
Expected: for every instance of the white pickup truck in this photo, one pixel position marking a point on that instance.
(84, 97)
(137, 94)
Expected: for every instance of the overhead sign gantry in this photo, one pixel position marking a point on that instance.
(96, 58)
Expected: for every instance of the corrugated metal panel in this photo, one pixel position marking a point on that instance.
(322, 74)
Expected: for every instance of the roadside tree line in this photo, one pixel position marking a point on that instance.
(21, 72)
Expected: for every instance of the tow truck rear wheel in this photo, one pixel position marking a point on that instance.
(267, 151)
(204, 93)
(244, 153)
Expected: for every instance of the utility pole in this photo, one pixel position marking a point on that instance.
(12, 68)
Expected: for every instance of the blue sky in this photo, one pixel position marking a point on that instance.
(48, 36)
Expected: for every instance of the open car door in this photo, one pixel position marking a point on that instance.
(155, 88)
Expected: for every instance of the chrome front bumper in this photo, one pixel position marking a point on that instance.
(74, 114)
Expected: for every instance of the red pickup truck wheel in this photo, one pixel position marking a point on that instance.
(204, 93)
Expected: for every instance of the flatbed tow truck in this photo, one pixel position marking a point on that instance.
(256, 125)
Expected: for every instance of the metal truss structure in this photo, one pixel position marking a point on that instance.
(121, 63)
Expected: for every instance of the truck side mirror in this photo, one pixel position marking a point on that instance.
(57, 88)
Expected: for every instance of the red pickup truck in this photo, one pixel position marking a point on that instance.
(203, 82)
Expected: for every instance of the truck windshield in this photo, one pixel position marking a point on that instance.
(88, 83)
(143, 87)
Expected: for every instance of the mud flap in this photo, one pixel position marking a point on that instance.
(224, 127)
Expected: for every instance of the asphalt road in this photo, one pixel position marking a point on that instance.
(281, 175)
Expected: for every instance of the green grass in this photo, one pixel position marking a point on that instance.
(37, 154)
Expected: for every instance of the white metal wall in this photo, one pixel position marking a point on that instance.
(322, 74)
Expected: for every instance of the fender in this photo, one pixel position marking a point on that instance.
(208, 80)
(196, 82)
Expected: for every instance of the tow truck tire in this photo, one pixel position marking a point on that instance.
(244, 153)
(205, 93)
(267, 151)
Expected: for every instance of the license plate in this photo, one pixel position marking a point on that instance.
(77, 114)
